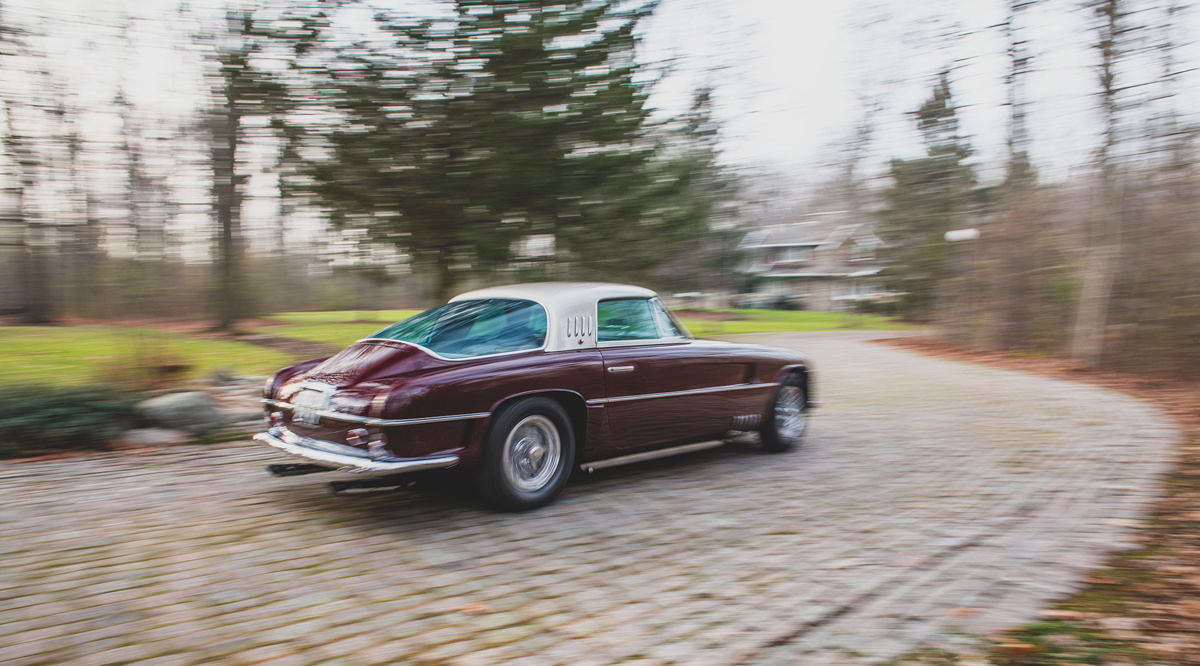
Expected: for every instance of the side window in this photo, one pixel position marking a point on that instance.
(664, 321)
(625, 319)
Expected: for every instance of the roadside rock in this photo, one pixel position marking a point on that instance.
(223, 377)
(191, 411)
(143, 437)
(242, 417)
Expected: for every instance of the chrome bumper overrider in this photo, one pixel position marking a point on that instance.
(346, 458)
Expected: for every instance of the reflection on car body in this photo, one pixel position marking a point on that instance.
(521, 384)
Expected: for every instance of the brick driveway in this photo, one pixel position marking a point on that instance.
(933, 502)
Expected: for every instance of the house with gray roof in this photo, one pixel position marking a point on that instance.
(828, 262)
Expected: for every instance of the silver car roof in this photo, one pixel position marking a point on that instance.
(570, 307)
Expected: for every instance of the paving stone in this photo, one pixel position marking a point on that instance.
(932, 502)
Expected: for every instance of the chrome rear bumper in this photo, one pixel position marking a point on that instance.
(346, 458)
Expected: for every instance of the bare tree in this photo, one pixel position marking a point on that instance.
(30, 237)
(82, 251)
(240, 90)
(1108, 217)
(1011, 232)
(1155, 306)
(34, 275)
(29, 120)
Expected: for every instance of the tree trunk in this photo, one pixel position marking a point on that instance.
(38, 292)
(1087, 343)
(444, 282)
(1014, 243)
(225, 184)
(1108, 220)
(35, 279)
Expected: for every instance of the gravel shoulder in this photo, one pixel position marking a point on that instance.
(933, 503)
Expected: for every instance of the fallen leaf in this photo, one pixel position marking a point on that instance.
(1016, 648)
(1062, 615)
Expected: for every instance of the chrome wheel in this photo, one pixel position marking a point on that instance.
(789, 413)
(528, 455)
(531, 453)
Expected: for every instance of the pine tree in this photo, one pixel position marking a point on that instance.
(461, 136)
(689, 193)
(929, 196)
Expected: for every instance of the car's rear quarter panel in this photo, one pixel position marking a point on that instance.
(488, 386)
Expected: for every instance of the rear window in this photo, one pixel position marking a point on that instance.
(465, 329)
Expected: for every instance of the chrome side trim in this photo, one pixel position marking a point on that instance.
(673, 394)
(371, 421)
(314, 450)
(650, 455)
(648, 342)
(439, 357)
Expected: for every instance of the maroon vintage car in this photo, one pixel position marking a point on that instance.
(521, 384)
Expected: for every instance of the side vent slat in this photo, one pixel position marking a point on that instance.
(745, 422)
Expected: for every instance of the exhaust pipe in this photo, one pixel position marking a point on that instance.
(391, 481)
(296, 470)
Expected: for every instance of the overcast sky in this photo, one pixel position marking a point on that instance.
(790, 75)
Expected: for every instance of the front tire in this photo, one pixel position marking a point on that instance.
(786, 418)
(528, 455)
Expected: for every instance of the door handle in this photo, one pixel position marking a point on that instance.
(620, 368)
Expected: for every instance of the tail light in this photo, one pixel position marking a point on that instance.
(378, 446)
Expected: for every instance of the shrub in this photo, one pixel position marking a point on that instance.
(787, 303)
(37, 420)
(889, 308)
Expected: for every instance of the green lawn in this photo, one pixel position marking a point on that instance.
(336, 329)
(66, 356)
(339, 329)
(377, 318)
(784, 321)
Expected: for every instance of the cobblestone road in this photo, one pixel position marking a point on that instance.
(933, 502)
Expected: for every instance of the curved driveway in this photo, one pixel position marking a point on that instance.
(933, 502)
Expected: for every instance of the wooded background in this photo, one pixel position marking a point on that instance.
(390, 159)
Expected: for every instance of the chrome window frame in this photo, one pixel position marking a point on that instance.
(684, 333)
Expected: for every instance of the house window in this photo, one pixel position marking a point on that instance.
(796, 254)
(859, 252)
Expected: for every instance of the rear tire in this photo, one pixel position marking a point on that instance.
(787, 417)
(528, 456)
